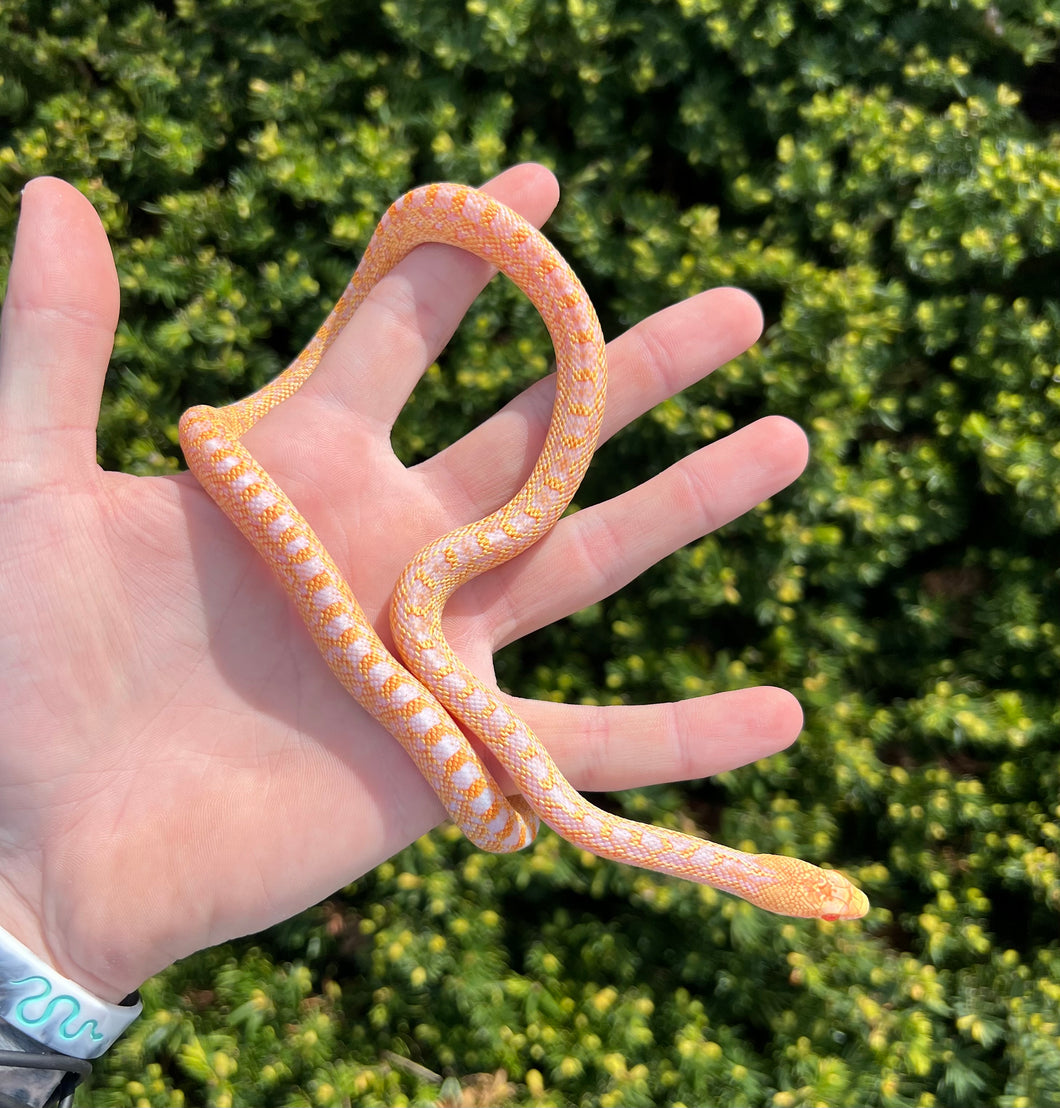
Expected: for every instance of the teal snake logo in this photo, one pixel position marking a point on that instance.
(64, 1028)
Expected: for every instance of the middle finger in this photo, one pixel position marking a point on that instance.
(648, 364)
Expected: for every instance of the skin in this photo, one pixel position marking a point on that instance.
(177, 765)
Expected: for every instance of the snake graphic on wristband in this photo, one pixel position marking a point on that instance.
(429, 698)
(63, 1029)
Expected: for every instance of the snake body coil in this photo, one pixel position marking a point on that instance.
(419, 700)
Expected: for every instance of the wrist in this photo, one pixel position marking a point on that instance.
(28, 928)
(54, 1010)
(50, 1026)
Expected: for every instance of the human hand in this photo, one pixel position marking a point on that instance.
(177, 764)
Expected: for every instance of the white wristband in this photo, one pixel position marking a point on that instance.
(55, 1011)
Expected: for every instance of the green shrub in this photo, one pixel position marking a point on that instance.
(886, 179)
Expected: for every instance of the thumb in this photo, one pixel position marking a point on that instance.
(56, 331)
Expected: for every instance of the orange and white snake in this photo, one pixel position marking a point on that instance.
(430, 699)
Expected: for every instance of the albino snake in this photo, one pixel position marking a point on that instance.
(424, 701)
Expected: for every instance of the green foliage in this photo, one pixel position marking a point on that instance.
(886, 178)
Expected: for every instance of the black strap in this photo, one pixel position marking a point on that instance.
(73, 1070)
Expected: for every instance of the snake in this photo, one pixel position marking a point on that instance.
(425, 696)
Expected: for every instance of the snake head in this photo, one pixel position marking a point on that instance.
(807, 892)
(841, 899)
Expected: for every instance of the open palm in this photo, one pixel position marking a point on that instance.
(177, 764)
